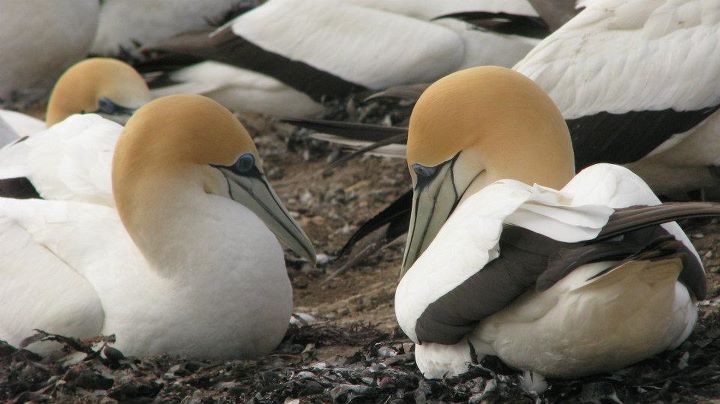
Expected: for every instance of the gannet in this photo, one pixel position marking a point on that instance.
(187, 264)
(334, 49)
(38, 40)
(71, 159)
(511, 254)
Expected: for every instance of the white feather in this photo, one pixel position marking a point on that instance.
(69, 161)
(71, 268)
(126, 23)
(241, 90)
(617, 56)
(39, 39)
(469, 240)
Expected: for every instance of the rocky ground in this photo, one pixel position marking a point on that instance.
(353, 351)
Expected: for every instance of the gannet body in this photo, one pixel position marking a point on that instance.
(334, 49)
(187, 263)
(511, 254)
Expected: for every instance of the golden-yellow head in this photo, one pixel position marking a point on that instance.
(472, 128)
(101, 85)
(190, 147)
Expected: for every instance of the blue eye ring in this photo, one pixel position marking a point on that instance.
(105, 105)
(424, 171)
(244, 163)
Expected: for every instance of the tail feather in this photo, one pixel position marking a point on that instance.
(637, 217)
(648, 271)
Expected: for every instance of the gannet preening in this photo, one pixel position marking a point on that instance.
(71, 159)
(188, 263)
(511, 254)
(336, 48)
(38, 40)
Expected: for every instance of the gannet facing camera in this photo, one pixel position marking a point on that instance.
(511, 254)
(188, 263)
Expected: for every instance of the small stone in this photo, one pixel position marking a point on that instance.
(386, 352)
(322, 259)
(305, 375)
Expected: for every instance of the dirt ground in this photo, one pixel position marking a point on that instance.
(353, 351)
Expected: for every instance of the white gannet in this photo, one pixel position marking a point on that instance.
(71, 159)
(187, 264)
(334, 49)
(38, 40)
(511, 254)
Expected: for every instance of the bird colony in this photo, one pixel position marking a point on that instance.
(360, 200)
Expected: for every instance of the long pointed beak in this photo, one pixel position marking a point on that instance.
(253, 191)
(435, 196)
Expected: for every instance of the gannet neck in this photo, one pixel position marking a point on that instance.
(181, 157)
(502, 118)
(165, 153)
(81, 88)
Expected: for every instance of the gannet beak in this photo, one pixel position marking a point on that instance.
(108, 109)
(248, 186)
(435, 195)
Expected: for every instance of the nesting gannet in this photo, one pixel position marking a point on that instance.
(187, 264)
(336, 48)
(38, 40)
(71, 159)
(511, 254)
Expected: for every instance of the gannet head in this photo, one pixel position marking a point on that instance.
(472, 128)
(195, 144)
(104, 86)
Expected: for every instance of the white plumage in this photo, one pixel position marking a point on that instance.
(68, 161)
(21, 124)
(125, 24)
(38, 40)
(580, 275)
(77, 269)
(539, 322)
(642, 56)
(372, 44)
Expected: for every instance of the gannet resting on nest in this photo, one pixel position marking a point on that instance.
(188, 263)
(510, 253)
(71, 160)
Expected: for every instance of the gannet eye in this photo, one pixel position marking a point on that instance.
(245, 163)
(105, 105)
(423, 171)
